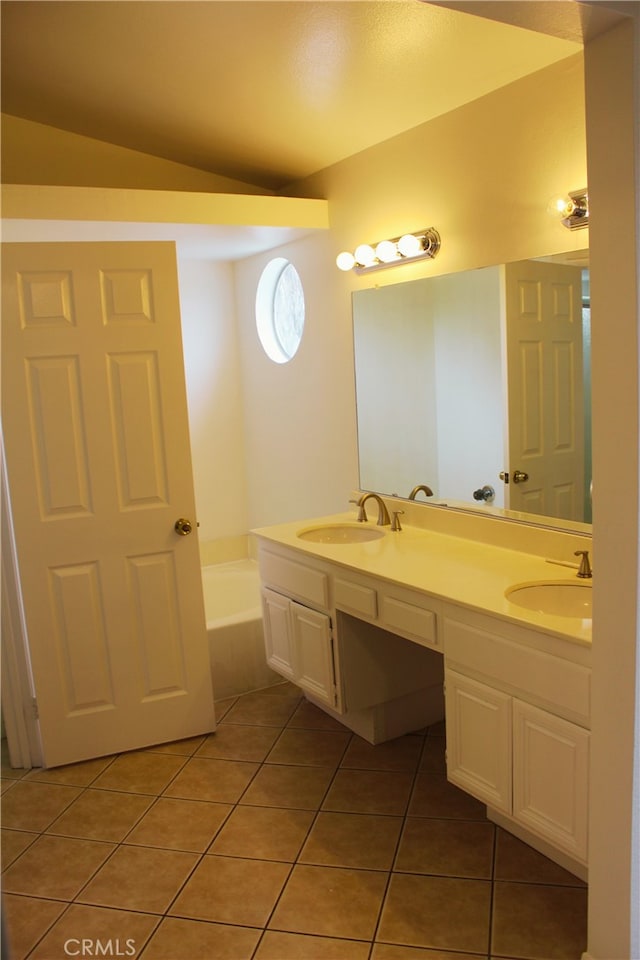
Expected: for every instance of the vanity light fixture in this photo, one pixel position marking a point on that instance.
(422, 245)
(573, 209)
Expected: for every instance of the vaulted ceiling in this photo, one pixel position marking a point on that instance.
(264, 92)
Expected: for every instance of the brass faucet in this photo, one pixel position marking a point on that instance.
(585, 571)
(383, 513)
(421, 486)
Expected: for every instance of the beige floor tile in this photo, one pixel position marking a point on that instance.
(6, 770)
(392, 951)
(27, 919)
(301, 946)
(288, 786)
(284, 688)
(222, 707)
(221, 781)
(140, 772)
(139, 878)
(180, 824)
(6, 785)
(231, 890)
(308, 716)
(263, 833)
(355, 840)
(539, 922)
(15, 842)
(438, 912)
(369, 791)
(178, 748)
(516, 860)
(234, 741)
(449, 848)
(433, 758)
(101, 815)
(56, 867)
(33, 806)
(322, 748)
(434, 796)
(400, 754)
(177, 939)
(117, 930)
(437, 729)
(270, 709)
(330, 902)
(73, 774)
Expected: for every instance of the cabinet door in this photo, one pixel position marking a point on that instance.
(478, 721)
(277, 633)
(313, 653)
(550, 777)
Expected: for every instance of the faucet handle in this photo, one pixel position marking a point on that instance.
(585, 571)
(362, 513)
(395, 523)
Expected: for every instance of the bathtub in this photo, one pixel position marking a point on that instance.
(234, 629)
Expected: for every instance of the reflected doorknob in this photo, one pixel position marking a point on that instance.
(518, 476)
(183, 527)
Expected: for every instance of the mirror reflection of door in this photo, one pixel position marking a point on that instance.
(431, 388)
(545, 407)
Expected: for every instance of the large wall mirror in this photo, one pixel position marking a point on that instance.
(466, 377)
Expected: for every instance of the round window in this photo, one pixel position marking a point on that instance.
(280, 310)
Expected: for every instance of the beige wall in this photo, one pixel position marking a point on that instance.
(36, 153)
(483, 175)
(612, 124)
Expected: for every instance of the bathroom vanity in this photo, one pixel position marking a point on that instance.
(391, 631)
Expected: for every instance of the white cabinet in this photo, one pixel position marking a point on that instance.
(550, 777)
(479, 740)
(363, 649)
(313, 658)
(299, 645)
(511, 737)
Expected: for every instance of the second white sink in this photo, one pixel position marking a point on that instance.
(341, 533)
(559, 598)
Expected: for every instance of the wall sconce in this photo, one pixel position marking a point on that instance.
(573, 210)
(422, 245)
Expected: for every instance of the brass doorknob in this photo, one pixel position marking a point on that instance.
(183, 527)
(520, 477)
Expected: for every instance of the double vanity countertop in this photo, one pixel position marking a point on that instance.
(470, 573)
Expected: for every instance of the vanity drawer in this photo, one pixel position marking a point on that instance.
(295, 579)
(413, 621)
(556, 684)
(356, 598)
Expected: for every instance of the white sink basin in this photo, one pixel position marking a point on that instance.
(341, 533)
(560, 598)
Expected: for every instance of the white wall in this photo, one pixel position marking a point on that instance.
(300, 428)
(214, 397)
(469, 377)
(612, 64)
(396, 387)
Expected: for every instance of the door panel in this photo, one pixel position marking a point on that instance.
(545, 388)
(99, 466)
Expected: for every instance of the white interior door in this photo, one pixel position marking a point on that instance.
(99, 466)
(545, 389)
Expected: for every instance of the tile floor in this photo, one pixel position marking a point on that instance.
(280, 837)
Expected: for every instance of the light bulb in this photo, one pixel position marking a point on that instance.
(365, 255)
(562, 207)
(345, 261)
(386, 251)
(410, 245)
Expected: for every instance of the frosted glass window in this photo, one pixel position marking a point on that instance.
(280, 310)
